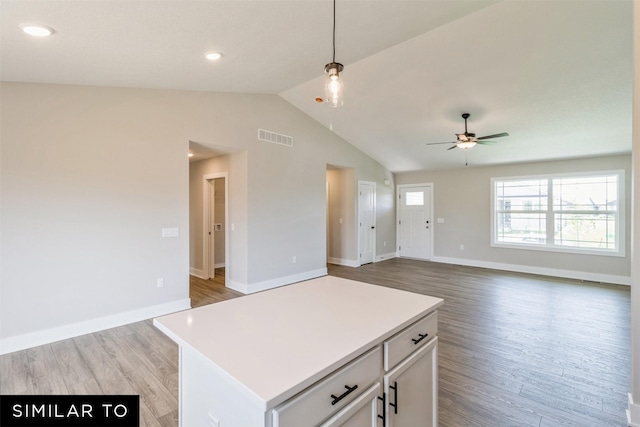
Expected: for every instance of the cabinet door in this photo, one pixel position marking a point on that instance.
(362, 412)
(412, 390)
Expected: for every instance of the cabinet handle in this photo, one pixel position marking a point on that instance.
(422, 336)
(337, 399)
(383, 417)
(394, 387)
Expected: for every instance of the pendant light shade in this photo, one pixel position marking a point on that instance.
(334, 85)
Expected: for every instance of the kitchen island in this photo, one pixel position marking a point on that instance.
(327, 351)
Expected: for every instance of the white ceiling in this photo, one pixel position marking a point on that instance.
(556, 75)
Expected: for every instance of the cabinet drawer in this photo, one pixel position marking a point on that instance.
(361, 412)
(326, 397)
(410, 339)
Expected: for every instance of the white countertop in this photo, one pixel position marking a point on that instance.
(275, 343)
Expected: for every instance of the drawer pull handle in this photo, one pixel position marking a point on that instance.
(337, 399)
(394, 387)
(422, 336)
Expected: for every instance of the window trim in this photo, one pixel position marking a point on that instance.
(619, 251)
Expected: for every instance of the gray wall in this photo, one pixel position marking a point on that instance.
(91, 175)
(462, 198)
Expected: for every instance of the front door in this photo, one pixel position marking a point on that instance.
(414, 224)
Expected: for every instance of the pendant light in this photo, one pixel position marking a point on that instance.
(334, 86)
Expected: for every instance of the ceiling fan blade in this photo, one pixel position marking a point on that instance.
(451, 148)
(497, 135)
(438, 143)
(487, 142)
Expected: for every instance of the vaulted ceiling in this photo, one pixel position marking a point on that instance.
(556, 75)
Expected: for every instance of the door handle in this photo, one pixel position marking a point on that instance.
(383, 417)
(372, 227)
(394, 387)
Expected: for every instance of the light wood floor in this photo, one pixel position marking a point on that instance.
(514, 350)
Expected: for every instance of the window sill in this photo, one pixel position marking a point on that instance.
(561, 249)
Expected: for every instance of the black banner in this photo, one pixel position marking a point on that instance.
(70, 411)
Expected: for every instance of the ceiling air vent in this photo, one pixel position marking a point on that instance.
(276, 138)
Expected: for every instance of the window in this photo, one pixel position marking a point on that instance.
(415, 198)
(565, 213)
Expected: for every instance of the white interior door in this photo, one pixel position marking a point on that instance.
(366, 221)
(414, 224)
(211, 229)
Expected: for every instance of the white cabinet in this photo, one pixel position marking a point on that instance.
(410, 386)
(412, 389)
(315, 353)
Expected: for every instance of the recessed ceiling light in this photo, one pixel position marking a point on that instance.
(213, 56)
(37, 30)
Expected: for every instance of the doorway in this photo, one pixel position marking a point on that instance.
(215, 213)
(342, 216)
(415, 212)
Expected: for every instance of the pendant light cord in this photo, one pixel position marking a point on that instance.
(334, 31)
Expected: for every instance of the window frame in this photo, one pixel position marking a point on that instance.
(550, 246)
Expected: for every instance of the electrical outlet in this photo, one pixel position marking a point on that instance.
(384, 243)
(462, 247)
(160, 282)
(294, 260)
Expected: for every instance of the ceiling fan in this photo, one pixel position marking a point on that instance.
(467, 139)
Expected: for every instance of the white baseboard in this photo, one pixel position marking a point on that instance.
(46, 336)
(274, 283)
(197, 272)
(342, 261)
(554, 272)
(386, 256)
(219, 265)
(633, 413)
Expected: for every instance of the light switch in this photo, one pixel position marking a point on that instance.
(170, 232)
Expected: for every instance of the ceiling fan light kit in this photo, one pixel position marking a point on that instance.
(334, 86)
(465, 145)
(468, 139)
